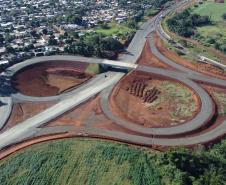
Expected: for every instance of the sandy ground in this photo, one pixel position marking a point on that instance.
(49, 79)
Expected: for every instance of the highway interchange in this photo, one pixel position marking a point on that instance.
(103, 84)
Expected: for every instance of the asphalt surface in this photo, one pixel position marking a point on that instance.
(57, 58)
(188, 73)
(106, 82)
(205, 114)
(6, 104)
(28, 127)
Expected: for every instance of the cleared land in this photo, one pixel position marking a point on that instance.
(96, 162)
(53, 78)
(170, 103)
(168, 51)
(23, 111)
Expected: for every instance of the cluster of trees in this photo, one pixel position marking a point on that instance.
(185, 23)
(93, 44)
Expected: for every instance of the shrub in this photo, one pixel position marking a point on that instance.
(224, 16)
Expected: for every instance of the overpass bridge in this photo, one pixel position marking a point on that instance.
(69, 58)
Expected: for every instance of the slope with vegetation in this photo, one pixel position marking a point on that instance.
(204, 22)
(185, 23)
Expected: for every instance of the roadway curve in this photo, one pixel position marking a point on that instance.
(29, 127)
(11, 71)
(207, 109)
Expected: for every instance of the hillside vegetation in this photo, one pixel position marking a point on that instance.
(205, 22)
(96, 162)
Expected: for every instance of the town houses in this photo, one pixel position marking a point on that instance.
(30, 28)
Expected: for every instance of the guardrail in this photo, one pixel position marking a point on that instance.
(210, 61)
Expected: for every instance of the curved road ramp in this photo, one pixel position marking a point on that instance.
(190, 133)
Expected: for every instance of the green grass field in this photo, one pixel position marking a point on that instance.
(212, 35)
(212, 9)
(114, 29)
(206, 34)
(183, 103)
(98, 162)
(93, 69)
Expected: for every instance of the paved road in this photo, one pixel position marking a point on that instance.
(6, 104)
(188, 73)
(11, 71)
(206, 111)
(204, 138)
(28, 128)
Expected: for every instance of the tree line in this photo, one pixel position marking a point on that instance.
(185, 23)
(95, 44)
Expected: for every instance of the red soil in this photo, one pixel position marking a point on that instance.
(203, 68)
(23, 111)
(130, 107)
(14, 148)
(50, 79)
(149, 59)
(89, 114)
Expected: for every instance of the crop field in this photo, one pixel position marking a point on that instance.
(98, 162)
(77, 162)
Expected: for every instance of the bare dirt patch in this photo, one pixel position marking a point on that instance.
(149, 59)
(174, 105)
(89, 114)
(23, 111)
(51, 78)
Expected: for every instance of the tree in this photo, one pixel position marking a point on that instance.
(2, 39)
(45, 31)
(224, 16)
(29, 47)
(74, 19)
(111, 44)
(185, 23)
(10, 49)
(132, 24)
(52, 41)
